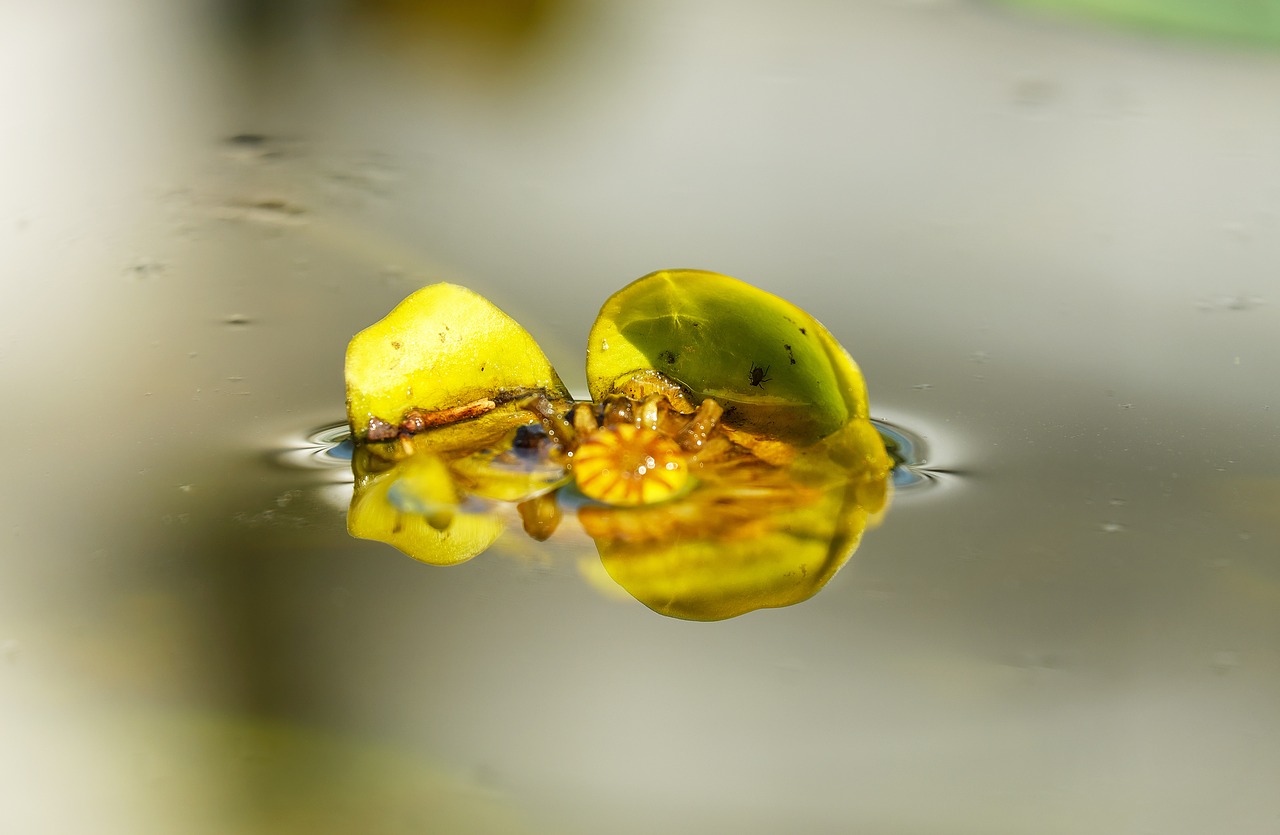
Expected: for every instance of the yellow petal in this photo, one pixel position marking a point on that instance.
(443, 347)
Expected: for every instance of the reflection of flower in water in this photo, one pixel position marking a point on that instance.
(741, 524)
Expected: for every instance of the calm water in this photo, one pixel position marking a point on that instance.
(1053, 250)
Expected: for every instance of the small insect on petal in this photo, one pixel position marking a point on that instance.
(628, 466)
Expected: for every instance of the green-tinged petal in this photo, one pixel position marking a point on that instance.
(443, 347)
(416, 507)
(774, 368)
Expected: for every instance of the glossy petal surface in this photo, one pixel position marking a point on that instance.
(440, 348)
(773, 367)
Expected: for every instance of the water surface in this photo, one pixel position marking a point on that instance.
(1052, 249)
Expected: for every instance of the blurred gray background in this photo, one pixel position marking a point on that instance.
(1051, 245)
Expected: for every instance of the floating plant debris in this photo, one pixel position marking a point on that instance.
(725, 463)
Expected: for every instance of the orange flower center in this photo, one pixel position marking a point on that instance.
(629, 466)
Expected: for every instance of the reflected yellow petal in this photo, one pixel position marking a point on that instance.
(426, 519)
(712, 556)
